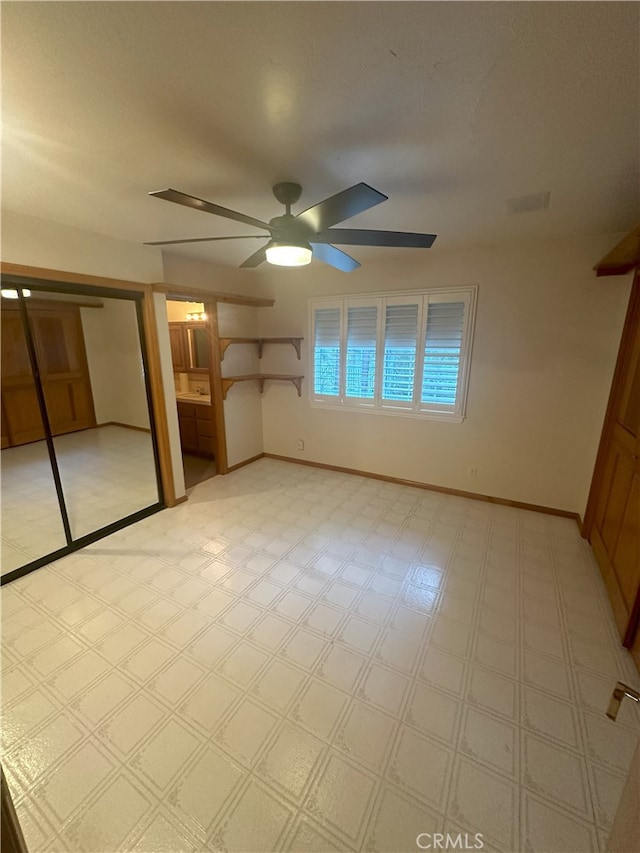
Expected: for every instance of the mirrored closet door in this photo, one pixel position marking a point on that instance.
(79, 453)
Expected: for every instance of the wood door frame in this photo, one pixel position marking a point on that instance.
(215, 385)
(48, 276)
(631, 323)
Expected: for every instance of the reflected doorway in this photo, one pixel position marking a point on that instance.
(79, 453)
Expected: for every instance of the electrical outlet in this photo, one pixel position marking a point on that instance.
(472, 472)
(300, 444)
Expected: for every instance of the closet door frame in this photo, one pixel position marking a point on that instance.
(141, 295)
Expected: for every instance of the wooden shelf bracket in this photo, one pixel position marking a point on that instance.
(225, 343)
(229, 381)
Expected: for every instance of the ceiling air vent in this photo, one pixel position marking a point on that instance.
(529, 203)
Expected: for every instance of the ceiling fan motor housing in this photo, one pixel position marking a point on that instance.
(287, 193)
(288, 227)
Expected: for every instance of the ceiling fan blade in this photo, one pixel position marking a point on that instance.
(334, 257)
(205, 239)
(355, 237)
(256, 259)
(208, 207)
(341, 206)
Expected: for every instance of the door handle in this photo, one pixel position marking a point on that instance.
(619, 692)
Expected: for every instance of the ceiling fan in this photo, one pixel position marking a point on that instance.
(294, 240)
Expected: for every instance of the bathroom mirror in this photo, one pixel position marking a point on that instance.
(198, 341)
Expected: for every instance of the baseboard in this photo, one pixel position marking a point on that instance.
(248, 462)
(563, 513)
(181, 500)
(125, 426)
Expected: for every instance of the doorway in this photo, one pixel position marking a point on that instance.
(79, 450)
(191, 338)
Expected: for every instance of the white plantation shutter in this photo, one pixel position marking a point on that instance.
(362, 325)
(407, 355)
(444, 337)
(326, 374)
(400, 339)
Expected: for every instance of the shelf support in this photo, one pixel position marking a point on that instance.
(225, 343)
(229, 381)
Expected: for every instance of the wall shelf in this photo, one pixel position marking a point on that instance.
(228, 381)
(225, 343)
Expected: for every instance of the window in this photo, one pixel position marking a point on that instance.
(404, 354)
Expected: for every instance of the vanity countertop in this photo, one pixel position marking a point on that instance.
(193, 397)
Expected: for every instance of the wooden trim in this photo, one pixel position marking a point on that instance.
(11, 837)
(124, 426)
(563, 513)
(623, 257)
(215, 386)
(46, 275)
(631, 322)
(44, 304)
(246, 462)
(158, 399)
(181, 500)
(64, 277)
(197, 294)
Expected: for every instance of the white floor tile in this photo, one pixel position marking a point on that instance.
(306, 660)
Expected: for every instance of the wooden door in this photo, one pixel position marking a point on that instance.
(59, 343)
(612, 520)
(63, 368)
(22, 418)
(6, 438)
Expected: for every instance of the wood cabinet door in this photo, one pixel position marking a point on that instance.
(612, 521)
(188, 433)
(177, 338)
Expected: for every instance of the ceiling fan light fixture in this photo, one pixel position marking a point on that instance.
(288, 254)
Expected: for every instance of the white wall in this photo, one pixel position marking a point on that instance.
(112, 343)
(191, 272)
(42, 243)
(243, 406)
(547, 335)
(546, 339)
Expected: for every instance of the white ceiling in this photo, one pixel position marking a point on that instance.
(448, 108)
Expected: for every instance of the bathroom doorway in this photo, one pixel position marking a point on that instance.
(192, 342)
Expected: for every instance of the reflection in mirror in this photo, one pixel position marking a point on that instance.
(91, 366)
(31, 519)
(198, 347)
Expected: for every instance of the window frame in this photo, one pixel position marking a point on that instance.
(378, 405)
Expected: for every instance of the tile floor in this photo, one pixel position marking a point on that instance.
(304, 660)
(107, 474)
